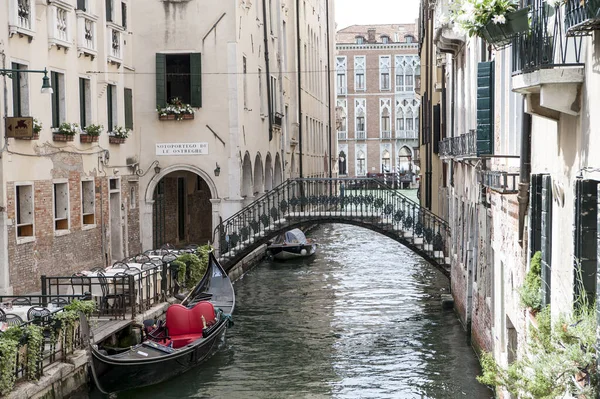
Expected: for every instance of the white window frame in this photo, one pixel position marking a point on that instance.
(84, 199)
(56, 36)
(27, 238)
(385, 68)
(55, 218)
(24, 89)
(341, 66)
(360, 68)
(16, 25)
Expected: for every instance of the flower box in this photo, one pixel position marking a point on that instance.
(173, 117)
(35, 136)
(500, 35)
(87, 138)
(62, 137)
(116, 140)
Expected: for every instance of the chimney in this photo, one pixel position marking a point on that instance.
(371, 35)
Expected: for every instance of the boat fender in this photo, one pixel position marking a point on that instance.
(303, 252)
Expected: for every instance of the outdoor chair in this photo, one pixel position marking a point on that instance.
(98, 269)
(38, 314)
(141, 258)
(59, 302)
(121, 286)
(81, 284)
(2, 315)
(13, 319)
(21, 301)
(104, 304)
(120, 265)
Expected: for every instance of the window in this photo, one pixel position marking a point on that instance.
(585, 243)
(271, 16)
(385, 81)
(111, 107)
(360, 40)
(128, 100)
(409, 83)
(20, 91)
(342, 161)
(85, 102)
(341, 83)
(88, 203)
(384, 72)
(385, 39)
(58, 98)
(179, 76)
(340, 68)
(82, 5)
(274, 92)
(385, 162)
(61, 206)
(245, 72)
(124, 15)
(24, 210)
(409, 124)
(360, 123)
(399, 81)
(361, 167)
(385, 123)
(400, 122)
(409, 38)
(109, 11)
(359, 72)
(260, 92)
(360, 81)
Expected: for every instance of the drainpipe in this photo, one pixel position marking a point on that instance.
(524, 170)
(269, 105)
(299, 45)
(330, 144)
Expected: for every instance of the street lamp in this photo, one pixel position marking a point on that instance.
(46, 87)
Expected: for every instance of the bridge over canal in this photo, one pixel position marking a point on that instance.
(364, 202)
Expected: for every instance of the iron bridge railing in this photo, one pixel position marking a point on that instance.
(362, 201)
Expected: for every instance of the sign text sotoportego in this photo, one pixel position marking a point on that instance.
(181, 148)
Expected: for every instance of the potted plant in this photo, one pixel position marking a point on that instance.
(90, 133)
(175, 110)
(65, 132)
(496, 21)
(118, 135)
(37, 128)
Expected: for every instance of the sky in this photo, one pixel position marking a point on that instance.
(364, 12)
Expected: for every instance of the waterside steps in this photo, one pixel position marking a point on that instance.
(364, 202)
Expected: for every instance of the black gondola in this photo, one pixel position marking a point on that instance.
(187, 338)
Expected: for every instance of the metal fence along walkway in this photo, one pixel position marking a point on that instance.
(365, 202)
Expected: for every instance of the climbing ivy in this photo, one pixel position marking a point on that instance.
(9, 346)
(531, 290)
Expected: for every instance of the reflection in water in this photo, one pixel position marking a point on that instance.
(361, 319)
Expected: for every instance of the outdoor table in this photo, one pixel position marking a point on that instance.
(21, 311)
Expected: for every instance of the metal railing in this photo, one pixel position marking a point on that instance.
(582, 17)
(499, 181)
(445, 147)
(468, 145)
(546, 44)
(366, 202)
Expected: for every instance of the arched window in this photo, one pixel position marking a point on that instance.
(385, 39)
(409, 38)
(342, 162)
(385, 162)
(385, 123)
(409, 120)
(399, 120)
(360, 40)
(361, 167)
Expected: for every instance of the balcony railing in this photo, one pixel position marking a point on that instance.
(21, 17)
(545, 45)
(406, 134)
(386, 134)
(445, 147)
(502, 182)
(582, 17)
(361, 135)
(86, 34)
(463, 146)
(342, 135)
(115, 43)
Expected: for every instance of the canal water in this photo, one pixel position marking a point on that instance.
(361, 319)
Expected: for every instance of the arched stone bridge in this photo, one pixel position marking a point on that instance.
(364, 202)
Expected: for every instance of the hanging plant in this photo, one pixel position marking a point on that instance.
(9, 347)
(35, 344)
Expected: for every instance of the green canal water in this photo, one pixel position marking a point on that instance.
(361, 319)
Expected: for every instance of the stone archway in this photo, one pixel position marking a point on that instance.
(181, 207)
(258, 187)
(247, 189)
(268, 173)
(278, 178)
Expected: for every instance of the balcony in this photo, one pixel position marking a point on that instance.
(459, 147)
(342, 135)
(582, 17)
(21, 18)
(361, 135)
(59, 31)
(115, 43)
(86, 34)
(445, 147)
(501, 182)
(386, 135)
(547, 64)
(406, 134)
(446, 39)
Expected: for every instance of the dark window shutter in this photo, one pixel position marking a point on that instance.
(436, 128)
(424, 119)
(485, 108)
(128, 109)
(82, 116)
(546, 238)
(585, 240)
(196, 79)
(109, 10)
(16, 91)
(161, 79)
(124, 15)
(535, 223)
(81, 5)
(55, 99)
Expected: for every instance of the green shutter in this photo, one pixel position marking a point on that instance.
(585, 245)
(546, 238)
(128, 109)
(109, 10)
(535, 222)
(196, 79)
(161, 79)
(485, 108)
(82, 119)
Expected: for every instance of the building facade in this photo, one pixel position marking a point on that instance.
(377, 71)
(243, 93)
(516, 134)
(66, 205)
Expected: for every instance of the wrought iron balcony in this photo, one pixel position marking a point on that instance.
(501, 182)
(446, 147)
(546, 44)
(468, 145)
(582, 17)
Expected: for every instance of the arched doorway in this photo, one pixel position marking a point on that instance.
(182, 212)
(247, 177)
(278, 179)
(404, 160)
(258, 176)
(268, 173)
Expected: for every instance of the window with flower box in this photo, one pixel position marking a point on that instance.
(178, 76)
(85, 102)
(58, 98)
(111, 107)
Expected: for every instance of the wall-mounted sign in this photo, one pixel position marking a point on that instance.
(19, 127)
(181, 148)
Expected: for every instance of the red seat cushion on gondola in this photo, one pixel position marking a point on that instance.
(183, 321)
(182, 340)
